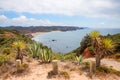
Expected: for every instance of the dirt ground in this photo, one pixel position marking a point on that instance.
(40, 71)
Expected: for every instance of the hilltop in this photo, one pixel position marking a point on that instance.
(33, 29)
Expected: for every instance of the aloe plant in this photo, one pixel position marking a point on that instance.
(79, 59)
(33, 49)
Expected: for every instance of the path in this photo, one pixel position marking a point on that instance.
(108, 62)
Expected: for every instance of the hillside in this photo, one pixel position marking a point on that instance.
(9, 36)
(33, 29)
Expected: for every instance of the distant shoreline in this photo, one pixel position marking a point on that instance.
(39, 33)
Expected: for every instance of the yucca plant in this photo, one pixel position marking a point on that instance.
(45, 55)
(79, 59)
(95, 36)
(101, 46)
(33, 49)
(19, 46)
(107, 46)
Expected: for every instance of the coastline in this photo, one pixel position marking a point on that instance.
(39, 33)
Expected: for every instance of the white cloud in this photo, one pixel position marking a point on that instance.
(91, 8)
(24, 21)
(101, 23)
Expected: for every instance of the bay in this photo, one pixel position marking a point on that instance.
(65, 42)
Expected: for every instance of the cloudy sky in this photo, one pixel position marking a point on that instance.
(83, 13)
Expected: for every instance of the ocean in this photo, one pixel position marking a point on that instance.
(64, 42)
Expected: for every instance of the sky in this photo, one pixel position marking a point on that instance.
(81, 13)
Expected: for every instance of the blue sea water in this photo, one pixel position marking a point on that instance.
(65, 42)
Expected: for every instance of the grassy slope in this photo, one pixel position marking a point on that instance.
(9, 36)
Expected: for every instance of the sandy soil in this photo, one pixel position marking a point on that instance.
(108, 62)
(40, 71)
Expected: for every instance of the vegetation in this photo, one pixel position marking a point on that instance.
(65, 74)
(23, 68)
(105, 70)
(70, 56)
(86, 42)
(79, 59)
(13, 45)
(37, 50)
(116, 39)
(33, 49)
(101, 46)
(115, 56)
(11, 42)
(7, 37)
(3, 58)
(6, 51)
(19, 46)
(42, 28)
(45, 55)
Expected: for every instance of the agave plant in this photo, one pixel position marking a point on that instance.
(33, 49)
(45, 55)
(79, 59)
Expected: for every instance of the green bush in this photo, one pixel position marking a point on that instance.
(85, 66)
(6, 51)
(3, 58)
(115, 56)
(1, 31)
(70, 56)
(107, 70)
(90, 48)
(58, 56)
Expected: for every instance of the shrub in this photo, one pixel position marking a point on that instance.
(73, 69)
(65, 74)
(115, 56)
(107, 70)
(23, 68)
(6, 51)
(3, 58)
(79, 59)
(1, 31)
(85, 66)
(70, 56)
(51, 74)
(58, 56)
(90, 48)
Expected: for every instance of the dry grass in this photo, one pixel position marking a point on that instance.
(65, 74)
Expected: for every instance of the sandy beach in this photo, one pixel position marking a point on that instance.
(39, 33)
